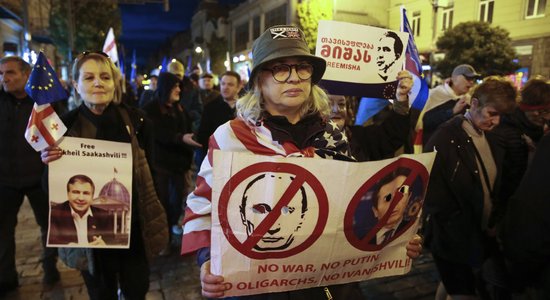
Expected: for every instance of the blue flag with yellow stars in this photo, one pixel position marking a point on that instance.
(43, 85)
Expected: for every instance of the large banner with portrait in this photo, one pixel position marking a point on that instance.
(292, 223)
(90, 189)
(361, 60)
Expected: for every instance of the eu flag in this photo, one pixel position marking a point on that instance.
(43, 85)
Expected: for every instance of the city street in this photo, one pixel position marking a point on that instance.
(176, 277)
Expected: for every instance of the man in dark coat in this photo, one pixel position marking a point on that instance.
(20, 173)
(219, 111)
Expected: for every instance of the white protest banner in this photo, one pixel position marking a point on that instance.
(361, 60)
(90, 190)
(293, 223)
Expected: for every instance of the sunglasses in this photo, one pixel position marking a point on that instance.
(86, 53)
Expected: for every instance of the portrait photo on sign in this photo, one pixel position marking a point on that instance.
(90, 195)
(277, 212)
(386, 205)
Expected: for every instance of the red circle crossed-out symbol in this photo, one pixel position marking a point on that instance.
(417, 169)
(301, 176)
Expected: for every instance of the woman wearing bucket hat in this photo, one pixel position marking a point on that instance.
(283, 113)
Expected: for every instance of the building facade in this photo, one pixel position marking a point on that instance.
(528, 22)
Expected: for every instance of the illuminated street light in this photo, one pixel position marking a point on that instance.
(198, 49)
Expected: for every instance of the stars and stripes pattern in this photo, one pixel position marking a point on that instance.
(239, 136)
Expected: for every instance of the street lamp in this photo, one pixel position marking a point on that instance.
(198, 50)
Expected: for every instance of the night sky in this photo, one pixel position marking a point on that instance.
(146, 27)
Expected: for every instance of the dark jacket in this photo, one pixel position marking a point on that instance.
(63, 229)
(511, 135)
(437, 116)
(215, 114)
(454, 199)
(376, 142)
(20, 164)
(524, 230)
(170, 124)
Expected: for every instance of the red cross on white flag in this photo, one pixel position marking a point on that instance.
(44, 127)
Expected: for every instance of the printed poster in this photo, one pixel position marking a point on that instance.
(293, 223)
(361, 60)
(90, 189)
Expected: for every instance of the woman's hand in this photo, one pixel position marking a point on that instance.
(414, 247)
(188, 139)
(50, 154)
(404, 86)
(212, 285)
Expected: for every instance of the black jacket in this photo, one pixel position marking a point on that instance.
(376, 142)
(20, 164)
(170, 124)
(454, 199)
(215, 114)
(510, 136)
(524, 230)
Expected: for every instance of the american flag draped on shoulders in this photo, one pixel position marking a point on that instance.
(239, 136)
(420, 91)
(44, 127)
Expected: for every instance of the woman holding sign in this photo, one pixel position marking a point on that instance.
(102, 116)
(284, 113)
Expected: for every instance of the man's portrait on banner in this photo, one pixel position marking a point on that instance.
(389, 51)
(86, 221)
(256, 205)
(389, 207)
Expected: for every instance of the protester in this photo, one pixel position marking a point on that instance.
(173, 146)
(219, 111)
(376, 141)
(20, 174)
(207, 93)
(524, 233)
(102, 116)
(147, 95)
(189, 95)
(447, 100)
(282, 114)
(519, 132)
(461, 196)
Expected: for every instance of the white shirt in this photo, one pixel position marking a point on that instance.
(81, 225)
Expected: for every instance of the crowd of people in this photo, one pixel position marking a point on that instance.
(484, 210)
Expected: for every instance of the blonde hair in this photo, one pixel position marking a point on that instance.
(100, 58)
(175, 67)
(251, 107)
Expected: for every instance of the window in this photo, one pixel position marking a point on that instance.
(447, 18)
(486, 10)
(256, 27)
(276, 16)
(416, 23)
(535, 8)
(241, 37)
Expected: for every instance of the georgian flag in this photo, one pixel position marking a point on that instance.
(110, 46)
(44, 127)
